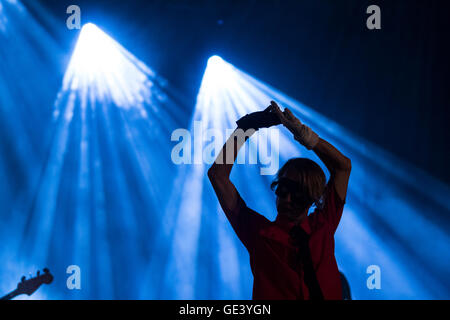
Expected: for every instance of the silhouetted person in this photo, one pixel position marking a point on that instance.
(292, 257)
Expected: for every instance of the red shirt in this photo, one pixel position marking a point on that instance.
(276, 273)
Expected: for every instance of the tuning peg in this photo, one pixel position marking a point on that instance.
(46, 270)
(38, 273)
(23, 278)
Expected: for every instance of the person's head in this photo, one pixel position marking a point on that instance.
(299, 184)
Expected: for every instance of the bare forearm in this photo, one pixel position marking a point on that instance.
(219, 173)
(226, 158)
(333, 159)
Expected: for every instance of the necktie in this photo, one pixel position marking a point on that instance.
(300, 239)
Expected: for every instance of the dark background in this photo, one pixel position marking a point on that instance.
(388, 86)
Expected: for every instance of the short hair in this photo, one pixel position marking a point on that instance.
(312, 181)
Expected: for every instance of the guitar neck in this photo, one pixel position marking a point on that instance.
(10, 295)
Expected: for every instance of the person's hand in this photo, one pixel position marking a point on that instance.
(259, 119)
(301, 132)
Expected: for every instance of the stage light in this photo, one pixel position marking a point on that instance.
(218, 73)
(214, 60)
(102, 67)
(95, 52)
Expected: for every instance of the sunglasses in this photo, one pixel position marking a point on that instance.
(286, 186)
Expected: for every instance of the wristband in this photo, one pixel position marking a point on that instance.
(306, 136)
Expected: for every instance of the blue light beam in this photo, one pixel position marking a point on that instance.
(108, 171)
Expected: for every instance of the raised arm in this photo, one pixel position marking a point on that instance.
(219, 173)
(338, 165)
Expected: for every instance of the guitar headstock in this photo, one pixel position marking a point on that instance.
(31, 285)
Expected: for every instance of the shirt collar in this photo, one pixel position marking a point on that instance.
(286, 224)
